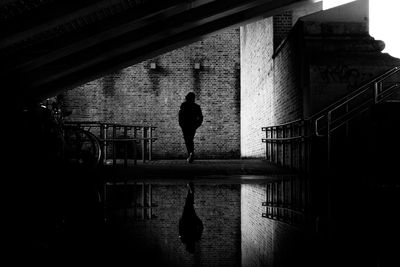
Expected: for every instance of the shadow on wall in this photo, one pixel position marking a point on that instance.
(109, 83)
(197, 68)
(156, 72)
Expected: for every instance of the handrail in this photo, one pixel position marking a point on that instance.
(327, 112)
(344, 99)
(360, 90)
(281, 125)
(106, 123)
(278, 141)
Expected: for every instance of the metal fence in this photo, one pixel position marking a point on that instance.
(121, 143)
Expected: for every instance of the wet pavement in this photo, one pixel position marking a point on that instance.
(240, 169)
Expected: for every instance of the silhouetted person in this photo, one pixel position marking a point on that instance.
(190, 226)
(190, 118)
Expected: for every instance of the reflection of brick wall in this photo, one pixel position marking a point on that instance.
(266, 242)
(157, 240)
(142, 95)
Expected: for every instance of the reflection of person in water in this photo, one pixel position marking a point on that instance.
(190, 226)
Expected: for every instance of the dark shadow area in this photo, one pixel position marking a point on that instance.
(55, 213)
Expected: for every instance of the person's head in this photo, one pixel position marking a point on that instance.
(190, 97)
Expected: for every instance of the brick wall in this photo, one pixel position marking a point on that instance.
(270, 91)
(282, 26)
(288, 91)
(141, 95)
(156, 242)
(257, 99)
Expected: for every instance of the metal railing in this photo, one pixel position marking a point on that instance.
(352, 105)
(121, 141)
(127, 200)
(287, 200)
(288, 144)
(291, 144)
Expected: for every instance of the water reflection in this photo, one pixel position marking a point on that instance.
(158, 223)
(206, 224)
(190, 225)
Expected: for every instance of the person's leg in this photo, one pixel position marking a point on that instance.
(189, 137)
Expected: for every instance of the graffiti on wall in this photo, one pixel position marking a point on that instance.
(343, 74)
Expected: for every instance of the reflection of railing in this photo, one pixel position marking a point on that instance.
(288, 144)
(287, 200)
(121, 141)
(291, 144)
(128, 200)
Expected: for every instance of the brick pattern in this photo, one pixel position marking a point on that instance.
(266, 242)
(142, 95)
(270, 85)
(282, 26)
(287, 88)
(257, 100)
(157, 241)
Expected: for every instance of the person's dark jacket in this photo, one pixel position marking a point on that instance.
(190, 116)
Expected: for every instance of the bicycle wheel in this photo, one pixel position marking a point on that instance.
(81, 147)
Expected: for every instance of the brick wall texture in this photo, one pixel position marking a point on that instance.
(282, 26)
(288, 91)
(270, 91)
(156, 242)
(257, 99)
(266, 242)
(141, 95)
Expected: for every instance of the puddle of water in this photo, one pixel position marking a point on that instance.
(143, 221)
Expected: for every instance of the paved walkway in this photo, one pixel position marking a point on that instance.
(200, 169)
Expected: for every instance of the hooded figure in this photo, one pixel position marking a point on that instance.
(190, 118)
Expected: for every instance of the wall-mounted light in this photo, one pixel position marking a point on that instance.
(196, 65)
(153, 65)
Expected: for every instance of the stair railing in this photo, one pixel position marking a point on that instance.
(288, 144)
(352, 105)
(281, 140)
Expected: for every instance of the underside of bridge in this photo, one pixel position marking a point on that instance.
(49, 46)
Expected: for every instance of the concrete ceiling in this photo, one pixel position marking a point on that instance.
(47, 46)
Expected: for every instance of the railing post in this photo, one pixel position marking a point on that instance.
(267, 144)
(303, 146)
(150, 141)
(134, 145)
(143, 128)
(291, 145)
(275, 144)
(377, 90)
(125, 146)
(283, 135)
(328, 139)
(114, 136)
(105, 142)
(272, 145)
